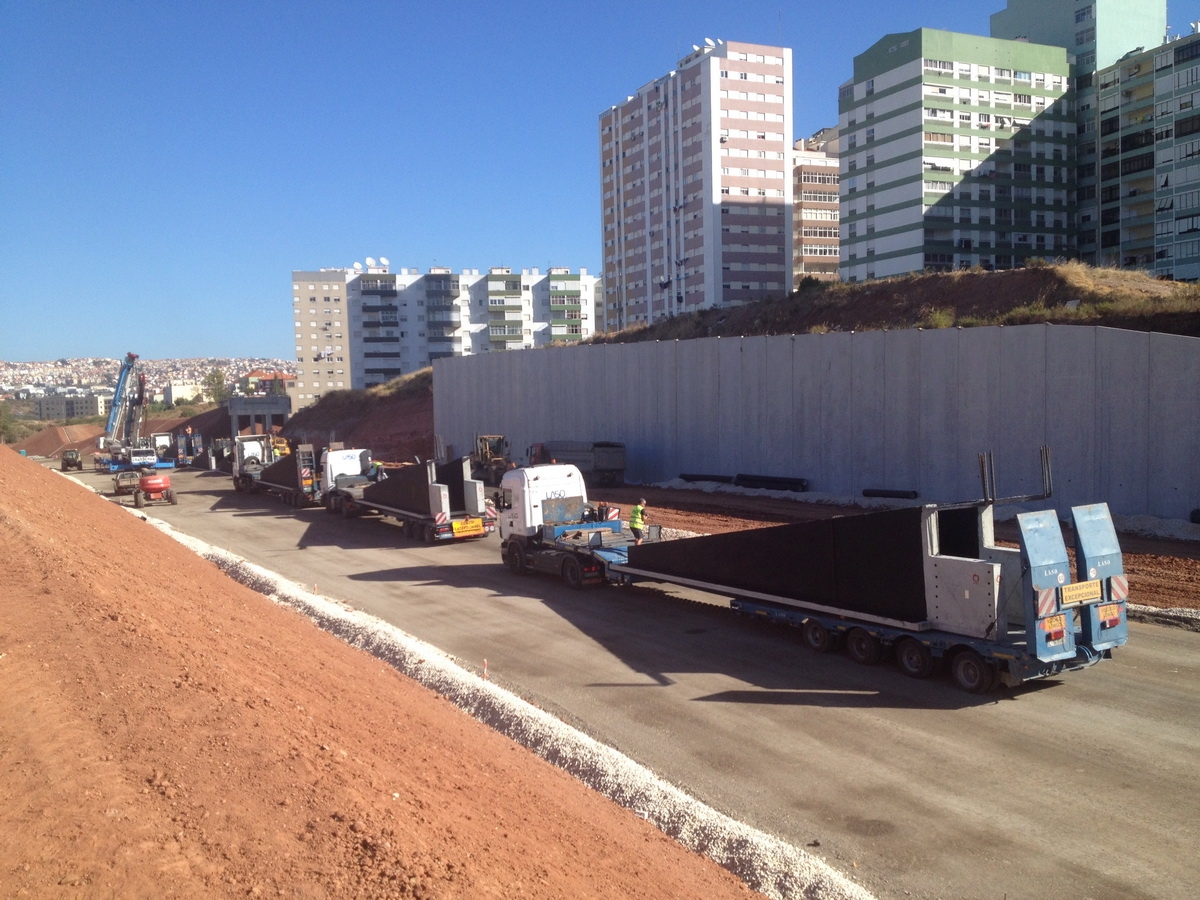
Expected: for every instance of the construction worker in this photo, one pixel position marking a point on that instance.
(637, 520)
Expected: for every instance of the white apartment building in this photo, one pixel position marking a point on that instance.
(365, 325)
(815, 210)
(696, 186)
(956, 152)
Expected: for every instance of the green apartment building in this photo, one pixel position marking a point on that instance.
(957, 151)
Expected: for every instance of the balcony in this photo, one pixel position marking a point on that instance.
(377, 287)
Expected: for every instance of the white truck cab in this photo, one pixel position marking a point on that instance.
(540, 495)
(345, 469)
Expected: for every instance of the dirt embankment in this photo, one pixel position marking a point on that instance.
(165, 732)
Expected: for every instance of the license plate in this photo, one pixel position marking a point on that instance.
(1055, 623)
(1080, 592)
(468, 526)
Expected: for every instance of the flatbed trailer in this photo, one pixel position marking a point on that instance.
(432, 502)
(293, 478)
(926, 584)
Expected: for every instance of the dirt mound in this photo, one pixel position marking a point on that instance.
(395, 421)
(54, 440)
(169, 733)
(1069, 294)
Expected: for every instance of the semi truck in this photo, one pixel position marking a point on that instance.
(432, 502)
(251, 454)
(602, 463)
(926, 584)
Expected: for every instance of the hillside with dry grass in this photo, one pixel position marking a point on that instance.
(395, 419)
(1063, 293)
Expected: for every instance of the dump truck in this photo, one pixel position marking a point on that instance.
(432, 502)
(925, 584)
(602, 463)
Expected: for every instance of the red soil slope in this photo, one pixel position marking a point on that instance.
(166, 732)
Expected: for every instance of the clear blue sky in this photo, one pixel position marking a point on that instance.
(164, 166)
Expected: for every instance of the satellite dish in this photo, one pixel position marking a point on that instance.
(383, 261)
(710, 42)
(695, 46)
(370, 260)
(358, 267)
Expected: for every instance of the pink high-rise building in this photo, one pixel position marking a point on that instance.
(696, 186)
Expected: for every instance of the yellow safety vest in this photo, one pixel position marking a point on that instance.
(635, 516)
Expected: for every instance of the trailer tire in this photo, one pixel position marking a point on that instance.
(429, 534)
(914, 659)
(330, 507)
(139, 499)
(863, 647)
(817, 637)
(171, 498)
(572, 574)
(972, 673)
(515, 557)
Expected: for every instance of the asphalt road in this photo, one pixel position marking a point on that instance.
(1083, 786)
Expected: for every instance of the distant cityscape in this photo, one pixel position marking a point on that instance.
(167, 380)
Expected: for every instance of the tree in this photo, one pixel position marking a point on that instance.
(215, 386)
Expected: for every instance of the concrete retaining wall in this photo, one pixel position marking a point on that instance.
(902, 410)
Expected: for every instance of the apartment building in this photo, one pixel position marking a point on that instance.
(696, 186)
(59, 407)
(365, 325)
(815, 209)
(1146, 128)
(1096, 32)
(956, 152)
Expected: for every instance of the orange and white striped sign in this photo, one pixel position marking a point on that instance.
(1047, 602)
(1119, 586)
(442, 518)
(614, 513)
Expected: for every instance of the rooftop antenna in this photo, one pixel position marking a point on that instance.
(710, 42)
(358, 267)
(383, 261)
(370, 261)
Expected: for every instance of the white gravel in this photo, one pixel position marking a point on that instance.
(766, 864)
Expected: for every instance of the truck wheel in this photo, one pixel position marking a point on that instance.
(139, 499)
(863, 647)
(572, 574)
(972, 672)
(330, 505)
(915, 659)
(171, 498)
(817, 637)
(515, 557)
(429, 533)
